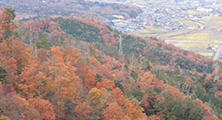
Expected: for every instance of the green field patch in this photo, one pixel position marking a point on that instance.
(143, 31)
(189, 23)
(149, 31)
(196, 44)
(191, 12)
(174, 33)
(195, 36)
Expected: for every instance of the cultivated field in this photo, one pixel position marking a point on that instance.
(193, 39)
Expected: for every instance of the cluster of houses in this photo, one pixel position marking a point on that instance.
(163, 15)
(151, 16)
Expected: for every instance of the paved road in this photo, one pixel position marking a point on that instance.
(218, 53)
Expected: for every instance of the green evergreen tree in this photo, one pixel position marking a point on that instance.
(3, 74)
(43, 43)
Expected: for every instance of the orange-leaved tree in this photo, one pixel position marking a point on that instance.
(45, 108)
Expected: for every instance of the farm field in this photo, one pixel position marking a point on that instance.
(195, 39)
(201, 39)
(149, 31)
(197, 42)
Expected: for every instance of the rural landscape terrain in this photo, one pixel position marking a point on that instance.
(191, 25)
(110, 60)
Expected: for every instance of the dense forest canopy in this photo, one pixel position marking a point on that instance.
(73, 68)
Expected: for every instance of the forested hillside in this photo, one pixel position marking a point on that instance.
(73, 69)
(105, 12)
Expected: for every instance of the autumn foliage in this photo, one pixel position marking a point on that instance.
(81, 74)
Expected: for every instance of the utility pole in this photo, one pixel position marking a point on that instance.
(35, 51)
(216, 78)
(120, 46)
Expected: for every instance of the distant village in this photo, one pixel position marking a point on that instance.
(164, 16)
